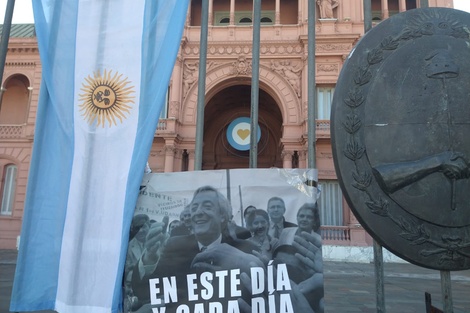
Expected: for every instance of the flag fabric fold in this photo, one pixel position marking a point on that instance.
(106, 66)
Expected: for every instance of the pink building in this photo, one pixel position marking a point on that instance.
(282, 99)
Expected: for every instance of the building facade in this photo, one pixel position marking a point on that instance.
(282, 98)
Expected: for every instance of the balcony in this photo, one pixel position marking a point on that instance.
(336, 235)
(12, 131)
(168, 126)
(322, 129)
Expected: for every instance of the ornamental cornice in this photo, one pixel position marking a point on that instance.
(20, 64)
(237, 48)
(328, 68)
(332, 48)
(23, 50)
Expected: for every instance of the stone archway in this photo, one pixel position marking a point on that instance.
(228, 104)
(226, 74)
(280, 108)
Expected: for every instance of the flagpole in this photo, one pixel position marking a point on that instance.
(5, 38)
(255, 84)
(201, 87)
(312, 123)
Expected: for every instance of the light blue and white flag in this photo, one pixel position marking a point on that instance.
(106, 66)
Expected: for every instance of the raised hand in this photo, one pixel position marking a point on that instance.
(154, 242)
(309, 252)
(224, 256)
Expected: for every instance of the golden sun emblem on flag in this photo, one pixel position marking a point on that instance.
(106, 98)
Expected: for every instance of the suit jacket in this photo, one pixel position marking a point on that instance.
(176, 260)
(288, 224)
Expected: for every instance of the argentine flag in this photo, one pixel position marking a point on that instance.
(106, 66)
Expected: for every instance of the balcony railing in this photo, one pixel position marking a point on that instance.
(323, 128)
(166, 126)
(11, 131)
(336, 235)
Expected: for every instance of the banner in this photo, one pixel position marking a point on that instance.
(106, 66)
(245, 240)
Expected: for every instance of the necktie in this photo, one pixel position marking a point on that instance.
(276, 231)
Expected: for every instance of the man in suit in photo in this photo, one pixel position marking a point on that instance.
(276, 210)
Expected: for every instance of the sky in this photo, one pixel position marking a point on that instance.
(23, 12)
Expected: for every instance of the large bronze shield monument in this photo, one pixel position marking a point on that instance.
(401, 136)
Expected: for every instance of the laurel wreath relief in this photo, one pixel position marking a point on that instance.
(449, 247)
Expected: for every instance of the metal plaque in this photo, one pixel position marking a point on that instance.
(401, 135)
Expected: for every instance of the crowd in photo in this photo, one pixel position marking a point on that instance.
(207, 242)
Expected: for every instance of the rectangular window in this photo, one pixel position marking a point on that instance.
(164, 111)
(324, 101)
(331, 203)
(8, 195)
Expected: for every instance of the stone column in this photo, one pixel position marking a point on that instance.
(232, 12)
(402, 5)
(178, 163)
(169, 158)
(299, 13)
(287, 158)
(175, 88)
(385, 13)
(188, 15)
(211, 13)
(278, 12)
(191, 160)
(303, 159)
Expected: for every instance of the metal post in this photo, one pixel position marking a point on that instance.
(446, 286)
(446, 290)
(378, 253)
(255, 84)
(201, 87)
(312, 123)
(379, 277)
(5, 38)
(367, 15)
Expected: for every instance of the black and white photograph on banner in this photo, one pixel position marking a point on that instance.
(243, 240)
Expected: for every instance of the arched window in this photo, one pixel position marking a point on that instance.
(224, 20)
(245, 20)
(15, 100)
(8, 188)
(266, 20)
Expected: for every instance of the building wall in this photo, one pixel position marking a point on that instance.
(17, 127)
(283, 98)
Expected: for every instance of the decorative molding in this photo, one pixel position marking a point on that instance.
(231, 48)
(191, 73)
(241, 66)
(291, 71)
(328, 68)
(170, 149)
(287, 154)
(330, 47)
(173, 108)
(20, 64)
(33, 49)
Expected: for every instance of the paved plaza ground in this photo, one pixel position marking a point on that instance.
(349, 287)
